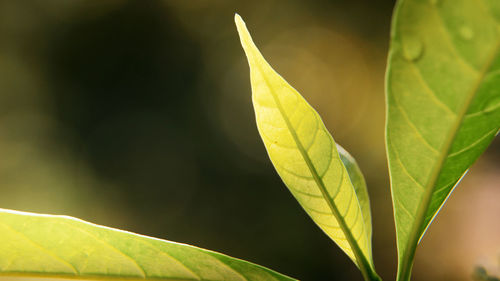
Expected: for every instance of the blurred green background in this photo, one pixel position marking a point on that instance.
(137, 115)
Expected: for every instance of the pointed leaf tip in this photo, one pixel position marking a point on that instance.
(237, 18)
(306, 158)
(249, 47)
(240, 24)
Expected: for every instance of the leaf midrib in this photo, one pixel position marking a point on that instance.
(431, 185)
(363, 263)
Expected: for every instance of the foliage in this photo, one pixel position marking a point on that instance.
(443, 110)
(60, 246)
(442, 106)
(308, 161)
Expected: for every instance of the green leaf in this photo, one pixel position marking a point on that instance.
(60, 246)
(443, 97)
(307, 160)
(358, 181)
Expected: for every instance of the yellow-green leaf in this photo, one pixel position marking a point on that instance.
(443, 96)
(358, 181)
(307, 160)
(34, 245)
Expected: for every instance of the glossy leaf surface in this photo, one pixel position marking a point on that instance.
(443, 96)
(60, 246)
(307, 159)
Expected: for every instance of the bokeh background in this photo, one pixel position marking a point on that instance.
(137, 115)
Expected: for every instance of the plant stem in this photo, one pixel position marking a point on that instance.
(370, 275)
(406, 266)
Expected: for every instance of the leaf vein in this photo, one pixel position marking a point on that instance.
(472, 145)
(328, 225)
(451, 44)
(339, 186)
(134, 262)
(431, 93)
(44, 249)
(281, 167)
(398, 159)
(315, 211)
(403, 207)
(413, 126)
(314, 137)
(356, 217)
(198, 277)
(332, 147)
(349, 204)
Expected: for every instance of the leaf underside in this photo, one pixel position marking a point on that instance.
(443, 100)
(307, 159)
(64, 247)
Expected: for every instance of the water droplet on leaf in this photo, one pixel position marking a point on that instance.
(466, 32)
(492, 105)
(413, 48)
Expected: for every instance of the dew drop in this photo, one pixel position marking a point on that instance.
(413, 48)
(492, 105)
(466, 32)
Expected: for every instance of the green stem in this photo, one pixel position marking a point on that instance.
(369, 275)
(406, 265)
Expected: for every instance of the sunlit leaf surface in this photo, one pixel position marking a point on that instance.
(308, 161)
(60, 246)
(358, 181)
(443, 95)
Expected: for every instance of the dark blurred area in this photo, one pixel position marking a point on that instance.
(138, 115)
